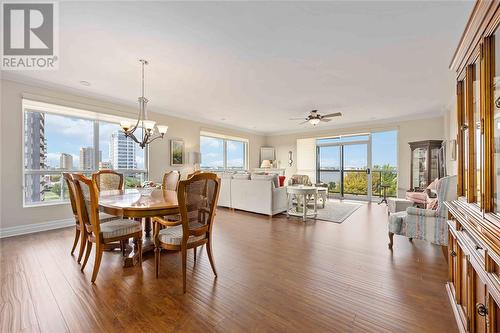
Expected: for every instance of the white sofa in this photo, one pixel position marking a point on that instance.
(257, 195)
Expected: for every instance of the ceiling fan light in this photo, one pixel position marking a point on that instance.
(314, 121)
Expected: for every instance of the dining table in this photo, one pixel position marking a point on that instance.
(142, 205)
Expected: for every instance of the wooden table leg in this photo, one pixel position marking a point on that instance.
(147, 245)
(147, 226)
(133, 256)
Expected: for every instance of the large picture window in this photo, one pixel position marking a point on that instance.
(59, 139)
(221, 153)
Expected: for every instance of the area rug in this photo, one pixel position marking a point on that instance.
(336, 212)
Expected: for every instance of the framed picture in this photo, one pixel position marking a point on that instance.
(176, 152)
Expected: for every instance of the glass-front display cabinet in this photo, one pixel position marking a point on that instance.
(425, 161)
(474, 220)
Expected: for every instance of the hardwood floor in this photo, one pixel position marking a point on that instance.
(274, 275)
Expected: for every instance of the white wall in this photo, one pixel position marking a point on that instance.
(408, 131)
(11, 193)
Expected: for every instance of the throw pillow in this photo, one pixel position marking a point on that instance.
(282, 180)
(273, 178)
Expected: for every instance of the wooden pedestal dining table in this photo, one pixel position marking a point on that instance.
(139, 204)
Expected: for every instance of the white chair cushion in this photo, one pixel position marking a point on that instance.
(173, 235)
(103, 217)
(120, 227)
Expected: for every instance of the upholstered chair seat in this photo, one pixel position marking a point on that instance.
(120, 227)
(173, 235)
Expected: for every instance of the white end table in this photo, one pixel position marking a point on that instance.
(301, 192)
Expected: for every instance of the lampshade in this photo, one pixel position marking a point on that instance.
(195, 157)
(266, 164)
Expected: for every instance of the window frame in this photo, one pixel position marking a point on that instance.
(225, 139)
(30, 105)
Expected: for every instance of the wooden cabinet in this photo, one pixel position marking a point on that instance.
(474, 229)
(474, 282)
(425, 161)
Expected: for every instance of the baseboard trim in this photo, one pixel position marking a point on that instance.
(35, 227)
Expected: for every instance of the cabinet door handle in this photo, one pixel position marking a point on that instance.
(453, 253)
(481, 309)
(478, 247)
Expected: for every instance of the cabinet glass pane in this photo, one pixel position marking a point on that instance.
(496, 128)
(419, 168)
(476, 130)
(434, 163)
(465, 145)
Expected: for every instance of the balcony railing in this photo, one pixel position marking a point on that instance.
(356, 181)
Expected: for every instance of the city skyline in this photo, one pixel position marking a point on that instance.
(67, 135)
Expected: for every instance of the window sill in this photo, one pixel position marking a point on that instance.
(44, 204)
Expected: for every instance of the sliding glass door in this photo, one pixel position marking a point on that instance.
(356, 178)
(329, 168)
(345, 168)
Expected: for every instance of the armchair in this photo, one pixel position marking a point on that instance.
(299, 180)
(426, 224)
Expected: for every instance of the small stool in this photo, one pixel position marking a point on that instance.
(395, 205)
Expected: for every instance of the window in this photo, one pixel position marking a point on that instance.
(223, 153)
(385, 162)
(59, 139)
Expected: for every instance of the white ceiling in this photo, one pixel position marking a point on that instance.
(257, 64)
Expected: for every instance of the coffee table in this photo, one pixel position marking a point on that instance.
(301, 193)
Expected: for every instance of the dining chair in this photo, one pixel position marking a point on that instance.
(171, 180)
(196, 172)
(197, 198)
(107, 180)
(68, 179)
(101, 233)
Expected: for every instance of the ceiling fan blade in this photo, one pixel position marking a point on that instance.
(325, 120)
(331, 115)
(301, 118)
(304, 122)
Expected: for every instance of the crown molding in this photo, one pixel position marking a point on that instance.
(112, 104)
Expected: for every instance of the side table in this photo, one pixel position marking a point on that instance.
(301, 193)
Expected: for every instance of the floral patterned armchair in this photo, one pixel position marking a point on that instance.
(426, 224)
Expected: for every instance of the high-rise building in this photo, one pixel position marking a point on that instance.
(87, 158)
(122, 151)
(35, 154)
(66, 161)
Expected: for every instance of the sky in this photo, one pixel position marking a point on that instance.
(212, 152)
(68, 135)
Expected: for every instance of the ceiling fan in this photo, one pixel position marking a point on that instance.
(314, 118)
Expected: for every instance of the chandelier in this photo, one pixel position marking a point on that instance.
(149, 130)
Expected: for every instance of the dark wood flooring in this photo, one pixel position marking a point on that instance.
(275, 275)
